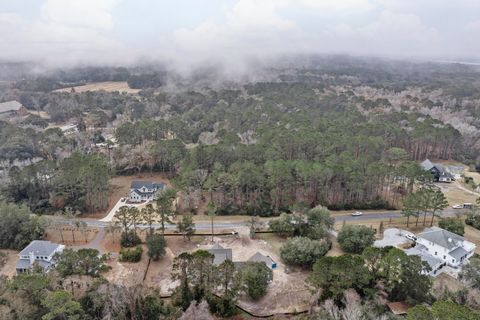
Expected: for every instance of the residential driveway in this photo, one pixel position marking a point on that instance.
(117, 206)
(391, 237)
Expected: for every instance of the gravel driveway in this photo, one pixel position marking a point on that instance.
(392, 237)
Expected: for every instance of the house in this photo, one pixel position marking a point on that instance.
(258, 257)
(439, 247)
(220, 254)
(12, 108)
(434, 263)
(440, 172)
(144, 190)
(38, 252)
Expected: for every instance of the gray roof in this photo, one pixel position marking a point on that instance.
(40, 248)
(258, 257)
(25, 264)
(138, 184)
(10, 106)
(427, 164)
(432, 261)
(458, 253)
(221, 254)
(442, 237)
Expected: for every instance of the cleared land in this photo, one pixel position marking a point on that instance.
(8, 262)
(111, 86)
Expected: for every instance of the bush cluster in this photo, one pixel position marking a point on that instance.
(130, 239)
(131, 254)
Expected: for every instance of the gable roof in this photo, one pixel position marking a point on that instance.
(40, 248)
(220, 254)
(427, 164)
(10, 106)
(442, 237)
(138, 184)
(258, 257)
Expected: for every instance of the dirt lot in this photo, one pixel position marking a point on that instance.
(69, 235)
(110, 86)
(7, 268)
(286, 293)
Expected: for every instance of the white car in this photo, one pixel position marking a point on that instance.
(357, 213)
(410, 236)
(457, 206)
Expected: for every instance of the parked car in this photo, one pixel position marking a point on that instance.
(410, 236)
(466, 205)
(357, 213)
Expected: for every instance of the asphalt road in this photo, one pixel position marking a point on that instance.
(228, 225)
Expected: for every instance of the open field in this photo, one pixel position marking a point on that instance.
(456, 195)
(111, 86)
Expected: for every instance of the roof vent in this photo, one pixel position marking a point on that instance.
(449, 239)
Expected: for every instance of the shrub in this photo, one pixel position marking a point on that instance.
(131, 255)
(300, 251)
(473, 220)
(130, 239)
(453, 225)
(354, 239)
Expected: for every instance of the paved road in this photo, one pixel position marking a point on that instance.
(228, 225)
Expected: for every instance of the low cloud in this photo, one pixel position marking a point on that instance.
(87, 31)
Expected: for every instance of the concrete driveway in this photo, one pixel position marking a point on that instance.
(117, 206)
(392, 237)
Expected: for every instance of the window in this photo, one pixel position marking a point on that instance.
(453, 260)
(435, 252)
(444, 257)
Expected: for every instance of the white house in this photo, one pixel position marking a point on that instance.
(38, 252)
(141, 191)
(439, 247)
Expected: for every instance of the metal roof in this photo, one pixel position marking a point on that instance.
(40, 248)
(458, 253)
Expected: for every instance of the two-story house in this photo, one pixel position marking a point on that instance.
(439, 172)
(38, 252)
(445, 247)
(141, 191)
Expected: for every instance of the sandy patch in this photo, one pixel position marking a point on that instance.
(110, 86)
(9, 263)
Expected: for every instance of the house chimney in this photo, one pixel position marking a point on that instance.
(32, 257)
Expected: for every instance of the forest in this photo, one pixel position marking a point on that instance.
(339, 132)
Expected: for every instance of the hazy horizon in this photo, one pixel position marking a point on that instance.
(234, 33)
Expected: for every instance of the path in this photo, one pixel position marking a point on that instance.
(95, 243)
(115, 208)
(459, 185)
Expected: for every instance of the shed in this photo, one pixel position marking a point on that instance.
(398, 308)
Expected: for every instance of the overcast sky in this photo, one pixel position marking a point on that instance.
(190, 32)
